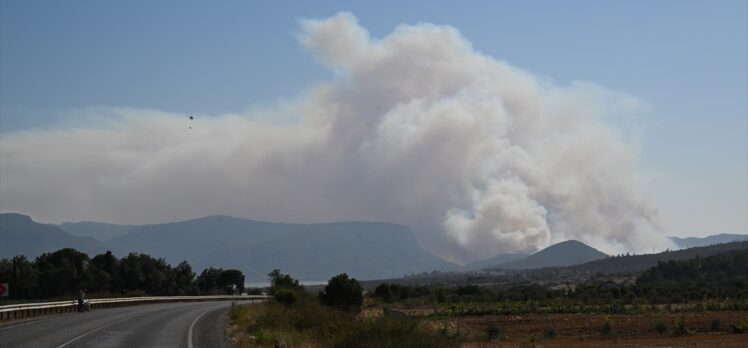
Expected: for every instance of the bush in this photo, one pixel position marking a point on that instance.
(738, 328)
(660, 327)
(607, 330)
(383, 291)
(342, 293)
(549, 332)
(680, 328)
(493, 331)
(716, 325)
(286, 297)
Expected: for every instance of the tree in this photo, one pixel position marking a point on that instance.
(207, 280)
(342, 293)
(383, 291)
(231, 280)
(21, 275)
(143, 272)
(104, 268)
(280, 281)
(61, 272)
(184, 278)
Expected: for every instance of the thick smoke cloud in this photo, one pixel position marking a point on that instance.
(418, 128)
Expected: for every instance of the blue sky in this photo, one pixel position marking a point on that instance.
(688, 60)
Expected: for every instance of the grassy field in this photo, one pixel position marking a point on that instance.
(309, 324)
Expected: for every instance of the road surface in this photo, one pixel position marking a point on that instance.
(200, 324)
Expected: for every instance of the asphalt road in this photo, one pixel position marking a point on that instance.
(200, 324)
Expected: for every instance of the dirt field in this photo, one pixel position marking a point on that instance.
(694, 341)
(578, 330)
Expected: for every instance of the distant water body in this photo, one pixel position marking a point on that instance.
(303, 282)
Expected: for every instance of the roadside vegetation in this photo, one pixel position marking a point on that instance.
(333, 318)
(61, 274)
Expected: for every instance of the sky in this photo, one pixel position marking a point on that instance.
(684, 62)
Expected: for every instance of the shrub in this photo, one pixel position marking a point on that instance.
(716, 325)
(607, 330)
(738, 328)
(383, 291)
(493, 331)
(342, 293)
(286, 297)
(660, 327)
(680, 328)
(549, 332)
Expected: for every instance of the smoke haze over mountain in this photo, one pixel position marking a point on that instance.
(477, 156)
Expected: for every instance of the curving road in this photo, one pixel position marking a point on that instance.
(189, 325)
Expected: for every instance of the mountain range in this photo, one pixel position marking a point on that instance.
(97, 230)
(20, 235)
(366, 250)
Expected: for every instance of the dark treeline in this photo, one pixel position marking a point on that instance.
(718, 277)
(66, 271)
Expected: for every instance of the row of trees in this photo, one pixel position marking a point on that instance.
(66, 271)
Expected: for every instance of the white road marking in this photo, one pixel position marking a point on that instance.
(90, 332)
(192, 326)
(18, 325)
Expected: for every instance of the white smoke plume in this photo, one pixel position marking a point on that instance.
(477, 156)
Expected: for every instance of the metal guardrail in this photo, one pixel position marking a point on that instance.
(27, 310)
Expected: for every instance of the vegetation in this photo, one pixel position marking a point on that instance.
(493, 331)
(286, 297)
(607, 330)
(280, 281)
(307, 320)
(342, 293)
(680, 329)
(739, 328)
(660, 327)
(549, 332)
(715, 283)
(66, 271)
(432, 315)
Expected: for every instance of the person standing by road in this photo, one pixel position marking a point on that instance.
(81, 296)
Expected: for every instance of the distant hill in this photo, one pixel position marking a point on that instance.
(727, 267)
(492, 262)
(97, 230)
(20, 235)
(365, 250)
(638, 263)
(692, 242)
(570, 252)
